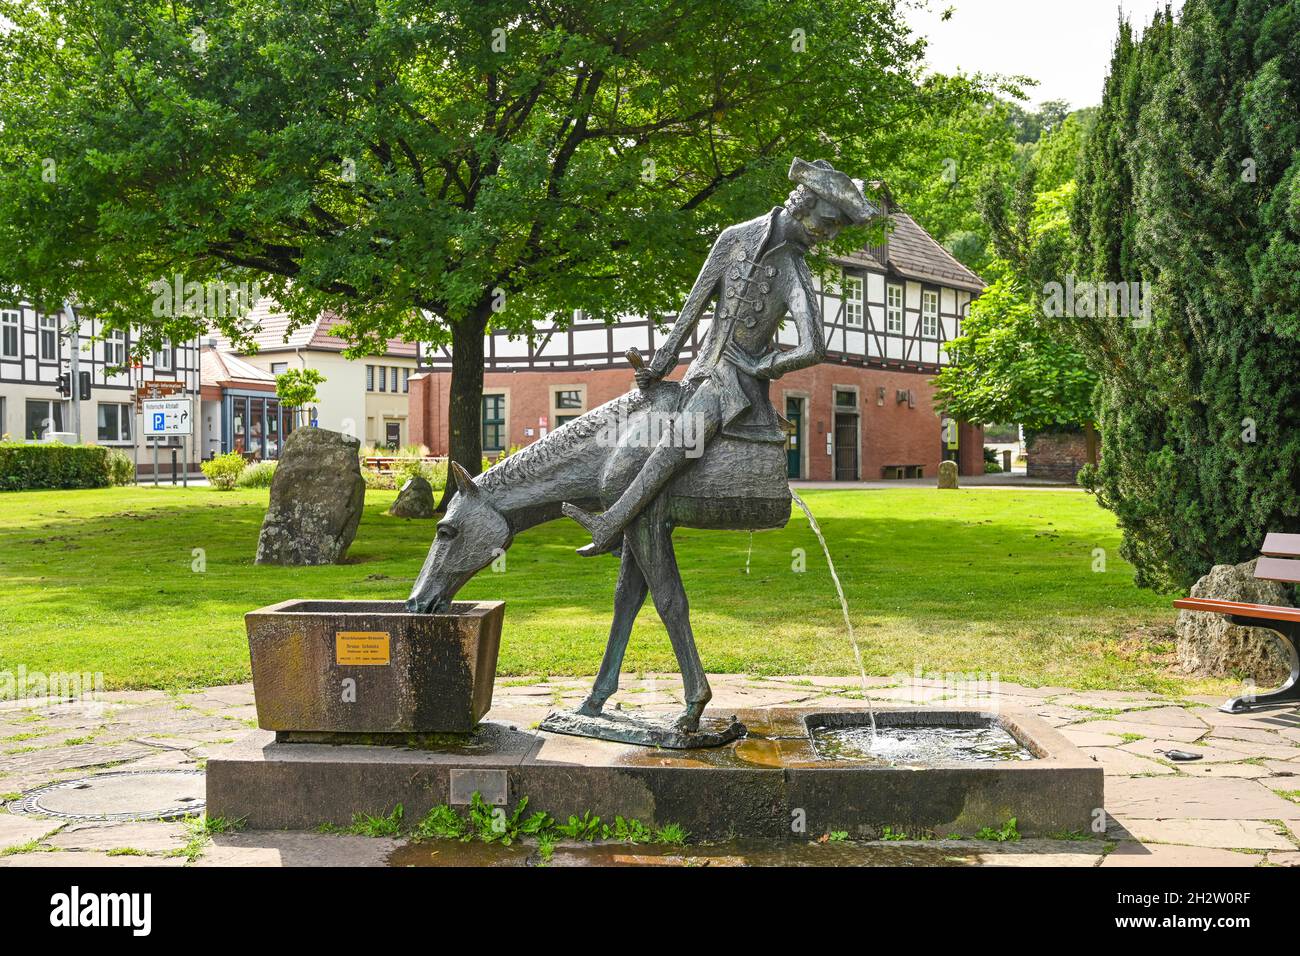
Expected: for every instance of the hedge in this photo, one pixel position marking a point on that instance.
(52, 466)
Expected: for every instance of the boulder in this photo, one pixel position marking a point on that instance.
(316, 499)
(1209, 645)
(947, 474)
(415, 500)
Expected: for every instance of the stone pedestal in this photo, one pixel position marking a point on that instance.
(356, 671)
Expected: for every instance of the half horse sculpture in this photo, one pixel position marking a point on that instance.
(706, 452)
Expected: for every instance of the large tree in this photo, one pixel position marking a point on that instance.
(429, 170)
(1191, 183)
(1015, 359)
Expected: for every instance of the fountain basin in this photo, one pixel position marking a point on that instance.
(773, 784)
(370, 671)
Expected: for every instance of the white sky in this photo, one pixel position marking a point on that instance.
(1064, 44)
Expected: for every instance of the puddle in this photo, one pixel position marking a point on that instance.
(741, 853)
(918, 745)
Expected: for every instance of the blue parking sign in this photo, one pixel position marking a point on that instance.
(159, 421)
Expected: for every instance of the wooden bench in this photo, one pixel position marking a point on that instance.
(1278, 563)
(891, 472)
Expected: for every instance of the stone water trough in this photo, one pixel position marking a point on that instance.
(369, 671)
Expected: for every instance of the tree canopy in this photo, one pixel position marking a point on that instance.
(425, 170)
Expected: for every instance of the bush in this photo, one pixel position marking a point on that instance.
(25, 466)
(224, 470)
(121, 469)
(258, 475)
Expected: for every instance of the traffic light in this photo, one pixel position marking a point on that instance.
(83, 383)
(65, 384)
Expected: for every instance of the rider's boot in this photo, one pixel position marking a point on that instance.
(607, 528)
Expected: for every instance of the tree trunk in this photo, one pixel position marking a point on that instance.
(465, 411)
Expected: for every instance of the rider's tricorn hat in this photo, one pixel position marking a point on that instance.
(836, 188)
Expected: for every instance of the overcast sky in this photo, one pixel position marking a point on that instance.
(1064, 44)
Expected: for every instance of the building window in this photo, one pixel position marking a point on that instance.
(406, 380)
(853, 302)
(370, 378)
(894, 310)
(43, 417)
(115, 349)
(494, 423)
(846, 399)
(279, 368)
(383, 379)
(164, 359)
(10, 335)
(114, 422)
(566, 400)
(930, 314)
(48, 336)
(394, 379)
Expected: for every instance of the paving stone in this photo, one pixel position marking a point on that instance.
(74, 757)
(1120, 727)
(1130, 854)
(16, 830)
(1244, 771)
(1121, 762)
(1148, 748)
(82, 858)
(1283, 858)
(291, 848)
(1263, 735)
(1182, 797)
(1043, 853)
(1225, 834)
(1090, 738)
(145, 837)
(1251, 748)
(1164, 717)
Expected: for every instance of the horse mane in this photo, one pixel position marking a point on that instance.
(539, 459)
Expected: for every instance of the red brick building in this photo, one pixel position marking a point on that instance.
(865, 413)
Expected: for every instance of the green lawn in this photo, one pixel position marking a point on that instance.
(973, 580)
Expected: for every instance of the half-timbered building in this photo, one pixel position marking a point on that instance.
(36, 348)
(867, 412)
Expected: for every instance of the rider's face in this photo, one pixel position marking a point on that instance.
(823, 221)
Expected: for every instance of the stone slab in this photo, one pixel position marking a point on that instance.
(1130, 854)
(1224, 834)
(1196, 798)
(748, 788)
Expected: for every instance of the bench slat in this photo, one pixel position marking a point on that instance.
(1278, 569)
(1263, 612)
(1279, 545)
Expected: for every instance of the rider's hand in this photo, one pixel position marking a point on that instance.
(646, 376)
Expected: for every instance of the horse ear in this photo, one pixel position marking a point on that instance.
(464, 483)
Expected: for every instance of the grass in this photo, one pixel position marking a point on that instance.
(978, 580)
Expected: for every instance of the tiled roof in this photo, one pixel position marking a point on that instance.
(273, 333)
(912, 253)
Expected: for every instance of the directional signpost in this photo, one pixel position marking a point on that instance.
(168, 418)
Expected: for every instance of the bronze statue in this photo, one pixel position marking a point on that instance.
(736, 480)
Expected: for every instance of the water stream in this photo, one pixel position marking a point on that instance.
(844, 606)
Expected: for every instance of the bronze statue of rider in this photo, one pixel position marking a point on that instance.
(757, 274)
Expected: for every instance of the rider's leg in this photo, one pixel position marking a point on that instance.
(667, 458)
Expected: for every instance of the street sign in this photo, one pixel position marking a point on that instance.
(150, 390)
(167, 416)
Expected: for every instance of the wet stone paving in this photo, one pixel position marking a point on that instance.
(1239, 805)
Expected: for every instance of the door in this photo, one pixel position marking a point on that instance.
(794, 442)
(393, 434)
(846, 447)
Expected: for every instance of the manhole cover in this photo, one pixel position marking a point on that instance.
(124, 795)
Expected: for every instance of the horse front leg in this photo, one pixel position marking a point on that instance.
(629, 595)
(651, 539)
